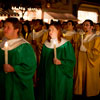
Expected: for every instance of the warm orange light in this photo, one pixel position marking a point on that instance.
(48, 5)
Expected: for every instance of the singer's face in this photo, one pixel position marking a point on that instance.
(97, 27)
(69, 26)
(87, 27)
(25, 28)
(53, 32)
(9, 31)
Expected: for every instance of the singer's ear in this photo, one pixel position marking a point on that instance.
(17, 31)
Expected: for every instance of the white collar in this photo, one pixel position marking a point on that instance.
(69, 33)
(12, 44)
(51, 44)
(97, 32)
(89, 37)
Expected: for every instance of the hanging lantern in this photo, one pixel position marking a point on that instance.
(48, 5)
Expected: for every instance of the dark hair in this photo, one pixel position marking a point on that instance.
(21, 18)
(90, 21)
(73, 24)
(15, 22)
(97, 24)
(58, 27)
(28, 26)
(40, 21)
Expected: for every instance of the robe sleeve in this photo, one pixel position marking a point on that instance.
(41, 64)
(94, 52)
(26, 66)
(68, 60)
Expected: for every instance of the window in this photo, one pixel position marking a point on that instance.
(83, 15)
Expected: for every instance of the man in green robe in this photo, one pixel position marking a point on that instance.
(16, 77)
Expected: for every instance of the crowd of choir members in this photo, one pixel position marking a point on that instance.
(85, 39)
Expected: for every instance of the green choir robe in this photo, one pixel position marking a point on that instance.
(56, 81)
(18, 85)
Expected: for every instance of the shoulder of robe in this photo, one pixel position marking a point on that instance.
(97, 38)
